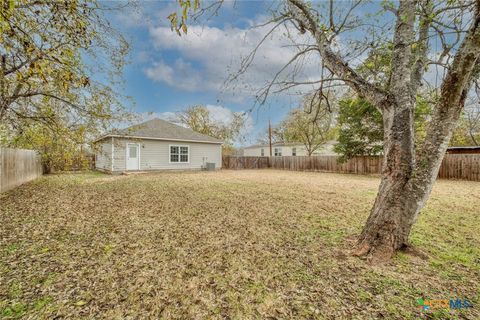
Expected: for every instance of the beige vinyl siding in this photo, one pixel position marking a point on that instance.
(103, 155)
(255, 152)
(155, 154)
(326, 149)
(286, 151)
(119, 153)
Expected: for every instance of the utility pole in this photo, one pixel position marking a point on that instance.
(270, 136)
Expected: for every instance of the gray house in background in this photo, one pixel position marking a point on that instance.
(156, 145)
(288, 149)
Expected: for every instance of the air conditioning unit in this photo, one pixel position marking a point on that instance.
(210, 166)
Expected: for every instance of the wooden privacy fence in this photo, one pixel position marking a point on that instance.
(234, 162)
(460, 166)
(359, 165)
(454, 166)
(18, 166)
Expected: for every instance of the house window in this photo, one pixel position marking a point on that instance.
(278, 152)
(294, 151)
(179, 154)
(262, 152)
(132, 151)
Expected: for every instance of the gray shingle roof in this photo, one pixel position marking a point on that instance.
(164, 130)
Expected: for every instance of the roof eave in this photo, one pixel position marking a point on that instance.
(153, 138)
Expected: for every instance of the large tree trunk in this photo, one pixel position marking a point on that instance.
(397, 203)
(394, 211)
(403, 191)
(406, 185)
(407, 178)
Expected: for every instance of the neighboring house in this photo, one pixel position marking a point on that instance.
(156, 145)
(287, 149)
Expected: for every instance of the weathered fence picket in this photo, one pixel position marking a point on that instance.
(18, 166)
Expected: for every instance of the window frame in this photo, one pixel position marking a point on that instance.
(129, 153)
(262, 152)
(277, 152)
(294, 151)
(179, 153)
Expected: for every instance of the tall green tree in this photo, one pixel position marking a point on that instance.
(360, 129)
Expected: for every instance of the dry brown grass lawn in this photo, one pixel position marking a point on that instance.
(230, 244)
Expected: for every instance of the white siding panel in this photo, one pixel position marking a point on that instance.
(326, 149)
(103, 155)
(154, 154)
(119, 163)
(255, 152)
(286, 151)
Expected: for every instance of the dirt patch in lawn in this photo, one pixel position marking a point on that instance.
(229, 244)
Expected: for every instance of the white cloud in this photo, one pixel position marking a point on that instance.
(208, 55)
(180, 75)
(160, 72)
(225, 116)
(220, 114)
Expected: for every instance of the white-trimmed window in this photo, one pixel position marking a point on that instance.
(278, 152)
(179, 154)
(294, 151)
(132, 150)
(262, 152)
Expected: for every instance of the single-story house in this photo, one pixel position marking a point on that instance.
(287, 149)
(156, 145)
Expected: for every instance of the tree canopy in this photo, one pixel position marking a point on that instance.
(62, 51)
(200, 119)
(61, 65)
(360, 129)
(311, 124)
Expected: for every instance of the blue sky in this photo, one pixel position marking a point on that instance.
(168, 73)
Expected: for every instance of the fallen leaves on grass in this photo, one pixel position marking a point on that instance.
(228, 244)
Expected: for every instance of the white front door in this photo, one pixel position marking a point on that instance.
(133, 156)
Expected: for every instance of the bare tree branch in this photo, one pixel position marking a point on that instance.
(422, 46)
(303, 15)
(453, 92)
